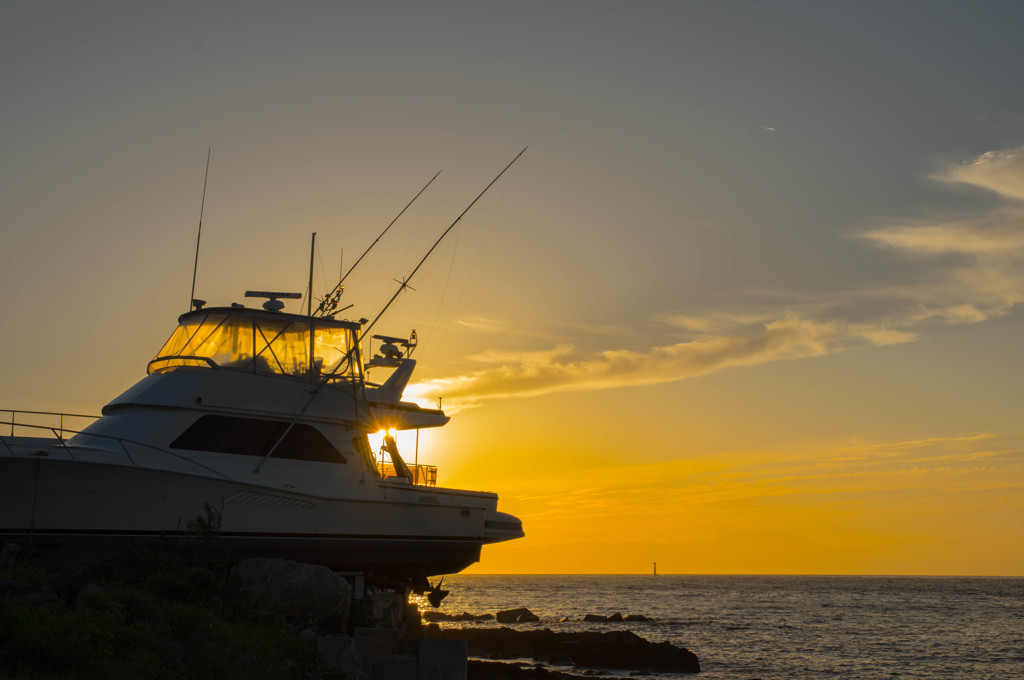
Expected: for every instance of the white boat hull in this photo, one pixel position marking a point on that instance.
(410, 531)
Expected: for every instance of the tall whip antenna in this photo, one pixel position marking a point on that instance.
(330, 300)
(202, 208)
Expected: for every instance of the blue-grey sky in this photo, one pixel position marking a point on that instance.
(759, 225)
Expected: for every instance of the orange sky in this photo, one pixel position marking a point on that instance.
(751, 302)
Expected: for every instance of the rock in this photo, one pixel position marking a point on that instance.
(351, 657)
(613, 650)
(430, 616)
(302, 592)
(595, 618)
(497, 670)
(521, 615)
(615, 618)
(442, 659)
(625, 649)
(560, 659)
(464, 616)
(637, 617)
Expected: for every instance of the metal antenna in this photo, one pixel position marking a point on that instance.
(337, 289)
(202, 208)
(309, 299)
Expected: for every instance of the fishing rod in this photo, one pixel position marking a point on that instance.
(202, 208)
(330, 301)
(402, 285)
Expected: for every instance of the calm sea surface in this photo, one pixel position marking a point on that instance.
(801, 627)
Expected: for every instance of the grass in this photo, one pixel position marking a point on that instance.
(159, 617)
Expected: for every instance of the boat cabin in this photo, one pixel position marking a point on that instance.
(266, 342)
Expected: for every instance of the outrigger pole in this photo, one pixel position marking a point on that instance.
(402, 285)
(202, 208)
(322, 311)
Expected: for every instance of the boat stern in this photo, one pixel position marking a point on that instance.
(501, 526)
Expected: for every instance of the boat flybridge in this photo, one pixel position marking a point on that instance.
(263, 417)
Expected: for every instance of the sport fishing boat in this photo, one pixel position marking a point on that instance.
(253, 424)
(261, 417)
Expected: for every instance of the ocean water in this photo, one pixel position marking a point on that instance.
(770, 627)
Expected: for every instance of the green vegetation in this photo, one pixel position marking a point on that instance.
(159, 618)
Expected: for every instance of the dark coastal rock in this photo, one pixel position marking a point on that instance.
(497, 670)
(625, 649)
(430, 616)
(521, 615)
(612, 650)
(300, 591)
(614, 618)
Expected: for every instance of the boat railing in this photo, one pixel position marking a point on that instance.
(62, 442)
(422, 475)
(181, 360)
(52, 415)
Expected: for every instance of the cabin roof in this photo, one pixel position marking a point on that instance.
(264, 314)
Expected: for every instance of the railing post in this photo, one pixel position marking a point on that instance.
(125, 449)
(63, 444)
(13, 414)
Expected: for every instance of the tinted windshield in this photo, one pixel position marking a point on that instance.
(250, 340)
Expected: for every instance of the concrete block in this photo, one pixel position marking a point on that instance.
(394, 667)
(351, 657)
(442, 659)
(409, 645)
(385, 640)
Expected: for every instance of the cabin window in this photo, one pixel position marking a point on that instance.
(254, 437)
(275, 344)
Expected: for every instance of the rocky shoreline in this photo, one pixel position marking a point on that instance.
(611, 650)
(148, 613)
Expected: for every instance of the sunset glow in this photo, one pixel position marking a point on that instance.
(750, 303)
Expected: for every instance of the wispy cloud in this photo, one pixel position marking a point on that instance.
(977, 261)
(561, 369)
(1001, 172)
(972, 270)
